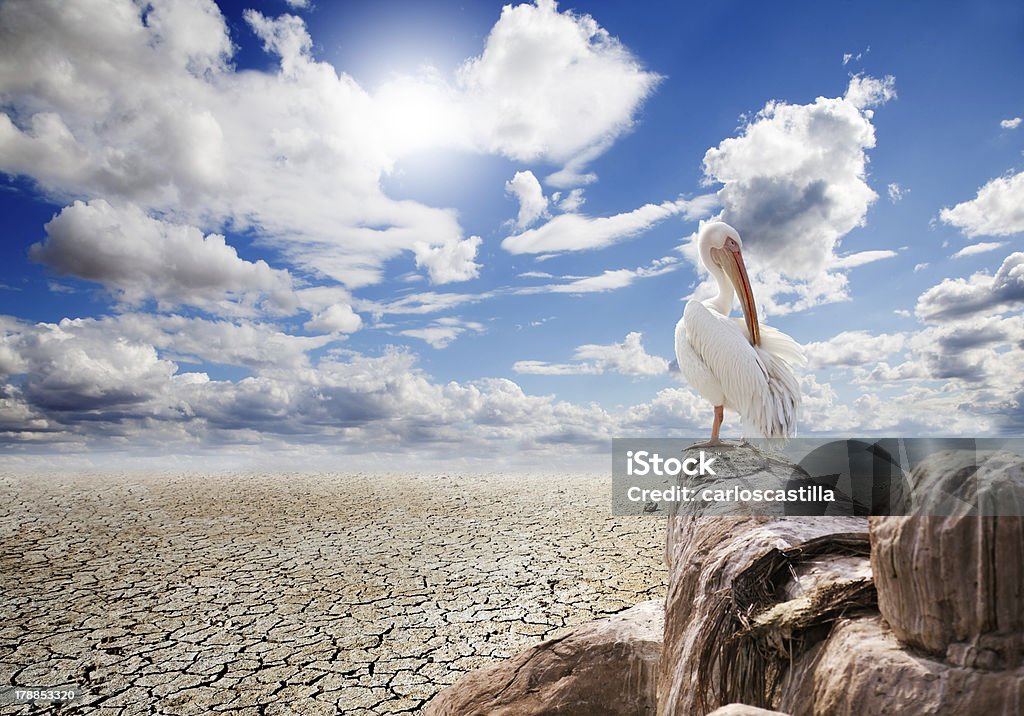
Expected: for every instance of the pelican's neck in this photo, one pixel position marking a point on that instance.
(726, 293)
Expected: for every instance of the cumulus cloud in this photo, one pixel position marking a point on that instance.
(339, 318)
(532, 202)
(451, 261)
(1010, 123)
(896, 192)
(853, 348)
(997, 210)
(552, 85)
(142, 258)
(575, 232)
(794, 184)
(957, 298)
(627, 358)
(979, 248)
(146, 107)
(90, 384)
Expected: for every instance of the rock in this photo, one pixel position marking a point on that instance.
(707, 558)
(744, 710)
(949, 582)
(862, 669)
(606, 666)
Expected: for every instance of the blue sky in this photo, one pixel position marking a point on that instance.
(290, 229)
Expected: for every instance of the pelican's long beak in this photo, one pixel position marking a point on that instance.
(731, 261)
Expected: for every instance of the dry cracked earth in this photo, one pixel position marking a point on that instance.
(299, 593)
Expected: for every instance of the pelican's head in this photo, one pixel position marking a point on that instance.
(721, 250)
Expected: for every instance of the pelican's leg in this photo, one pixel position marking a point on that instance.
(715, 428)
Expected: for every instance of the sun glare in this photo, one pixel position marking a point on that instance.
(417, 113)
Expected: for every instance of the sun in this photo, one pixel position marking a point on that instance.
(419, 112)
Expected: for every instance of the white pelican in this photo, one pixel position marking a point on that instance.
(734, 363)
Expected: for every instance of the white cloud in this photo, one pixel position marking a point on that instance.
(865, 91)
(532, 202)
(150, 110)
(957, 298)
(452, 261)
(627, 358)
(672, 412)
(441, 332)
(1010, 123)
(920, 266)
(141, 258)
(575, 232)
(539, 367)
(861, 258)
(339, 318)
(979, 248)
(997, 210)
(552, 85)
(609, 280)
(849, 56)
(897, 192)
(795, 184)
(298, 4)
(89, 384)
(853, 348)
(572, 201)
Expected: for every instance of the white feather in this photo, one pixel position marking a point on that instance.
(717, 358)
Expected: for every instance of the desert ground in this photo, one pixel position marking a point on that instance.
(299, 593)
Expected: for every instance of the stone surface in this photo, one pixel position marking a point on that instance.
(705, 555)
(953, 585)
(862, 669)
(607, 666)
(298, 593)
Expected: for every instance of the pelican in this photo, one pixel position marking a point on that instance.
(736, 363)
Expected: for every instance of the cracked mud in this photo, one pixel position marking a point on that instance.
(297, 593)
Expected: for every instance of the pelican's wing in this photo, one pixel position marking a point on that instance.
(776, 342)
(756, 383)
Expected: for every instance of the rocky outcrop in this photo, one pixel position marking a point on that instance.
(812, 616)
(783, 612)
(952, 584)
(744, 594)
(863, 669)
(607, 666)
